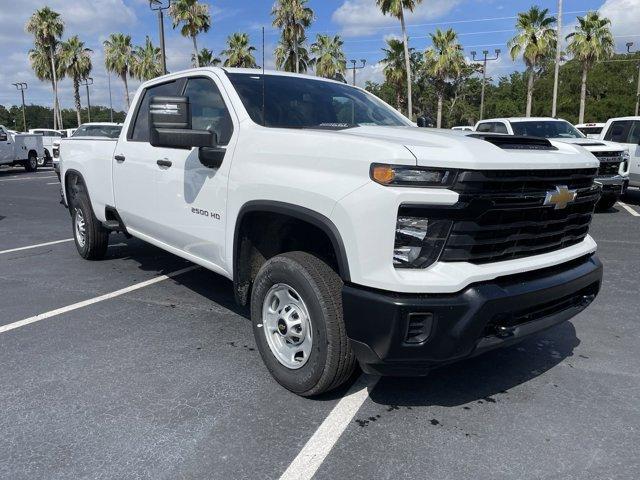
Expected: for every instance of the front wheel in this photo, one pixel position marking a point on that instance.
(90, 237)
(605, 203)
(31, 165)
(296, 311)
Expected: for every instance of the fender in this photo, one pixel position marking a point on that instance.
(67, 202)
(301, 213)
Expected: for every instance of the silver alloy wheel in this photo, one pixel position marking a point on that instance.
(33, 162)
(80, 229)
(287, 326)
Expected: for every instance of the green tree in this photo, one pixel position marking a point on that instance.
(329, 58)
(591, 42)
(394, 68)
(396, 8)
(47, 27)
(206, 58)
(41, 65)
(75, 61)
(194, 17)
(535, 40)
(239, 52)
(292, 17)
(286, 54)
(118, 54)
(146, 61)
(444, 61)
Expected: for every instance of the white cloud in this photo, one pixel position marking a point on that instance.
(625, 19)
(363, 17)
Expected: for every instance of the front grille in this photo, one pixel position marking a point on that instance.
(609, 168)
(501, 214)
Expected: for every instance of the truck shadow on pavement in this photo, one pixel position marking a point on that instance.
(484, 378)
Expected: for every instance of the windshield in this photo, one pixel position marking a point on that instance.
(546, 129)
(107, 131)
(294, 102)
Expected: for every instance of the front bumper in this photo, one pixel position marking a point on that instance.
(407, 334)
(613, 186)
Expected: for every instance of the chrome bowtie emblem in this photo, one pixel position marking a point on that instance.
(560, 197)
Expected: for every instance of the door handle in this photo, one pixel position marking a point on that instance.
(164, 163)
(120, 158)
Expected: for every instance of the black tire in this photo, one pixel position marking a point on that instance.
(605, 203)
(331, 360)
(96, 237)
(31, 165)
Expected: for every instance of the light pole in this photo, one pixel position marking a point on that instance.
(22, 86)
(159, 6)
(485, 59)
(354, 68)
(629, 45)
(556, 73)
(88, 81)
(110, 100)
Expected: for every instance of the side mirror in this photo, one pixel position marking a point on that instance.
(3, 137)
(170, 125)
(424, 122)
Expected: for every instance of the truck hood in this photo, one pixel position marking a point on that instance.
(455, 149)
(593, 145)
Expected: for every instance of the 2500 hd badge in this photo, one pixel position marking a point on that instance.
(205, 213)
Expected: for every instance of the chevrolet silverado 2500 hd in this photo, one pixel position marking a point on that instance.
(613, 173)
(352, 234)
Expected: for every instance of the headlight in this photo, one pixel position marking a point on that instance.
(402, 175)
(419, 240)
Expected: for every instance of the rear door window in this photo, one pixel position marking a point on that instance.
(624, 131)
(486, 127)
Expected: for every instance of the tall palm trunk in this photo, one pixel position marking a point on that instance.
(295, 50)
(440, 101)
(195, 50)
(126, 90)
(530, 91)
(76, 97)
(55, 86)
(55, 106)
(407, 62)
(583, 93)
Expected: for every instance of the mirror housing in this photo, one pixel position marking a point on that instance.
(170, 125)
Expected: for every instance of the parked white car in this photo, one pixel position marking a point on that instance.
(613, 157)
(591, 130)
(20, 149)
(352, 234)
(626, 131)
(49, 135)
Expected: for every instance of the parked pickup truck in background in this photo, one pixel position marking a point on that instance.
(353, 235)
(590, 130)
(49, 135)
(20, 149)
(613, 157)
(626, 131)
(91, 129)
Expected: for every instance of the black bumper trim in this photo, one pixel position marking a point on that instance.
(479, 318)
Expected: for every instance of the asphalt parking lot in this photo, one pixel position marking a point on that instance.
(163, 380)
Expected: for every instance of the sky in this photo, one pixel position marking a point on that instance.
(481, 24)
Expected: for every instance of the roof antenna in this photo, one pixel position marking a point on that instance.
(264, 116)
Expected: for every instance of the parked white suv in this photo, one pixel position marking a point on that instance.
(353, 235)
(626, 131)
(613, 157)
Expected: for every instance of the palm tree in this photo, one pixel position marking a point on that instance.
(394, 68)
(591, 42)
(206, 58)
(146, 62)
(41, 65)
(286, 53)
(329, 57)
(396, 9)
(118, 53)
(195, 19)
(75, 61)
(536, 40)
(293, 17)
(239, 53)
(47, 27)
(444, 60)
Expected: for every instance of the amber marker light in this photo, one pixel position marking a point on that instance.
(383, 174)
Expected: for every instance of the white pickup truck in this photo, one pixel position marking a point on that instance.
(626, 131)
(352, 234)
(21, 149)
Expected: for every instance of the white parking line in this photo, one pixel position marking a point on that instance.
(91, 301)
(53, 183)
(306, 464)
(26, 178)
(629, 209)
(35, 246)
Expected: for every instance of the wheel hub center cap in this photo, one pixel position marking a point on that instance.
(282, 327)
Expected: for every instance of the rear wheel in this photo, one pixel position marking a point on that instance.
(31, 165)
(91, 238)
(296, 311)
